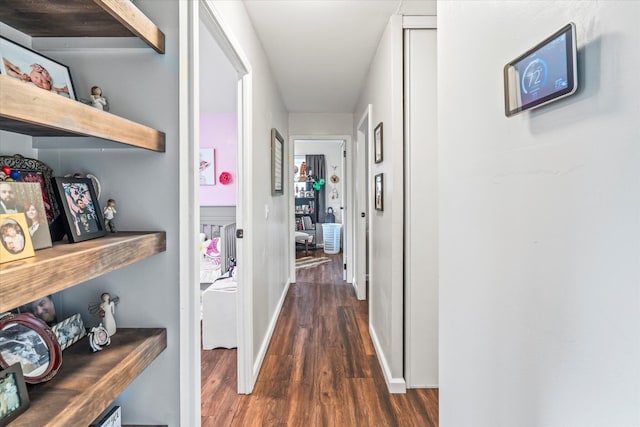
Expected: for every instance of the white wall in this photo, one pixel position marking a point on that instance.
(539, 214)
(268, 233)
(421, 209)
(320, 124)
(383, 89)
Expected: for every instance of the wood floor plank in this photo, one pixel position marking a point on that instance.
(320, 368)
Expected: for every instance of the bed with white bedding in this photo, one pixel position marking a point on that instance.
(217, 264)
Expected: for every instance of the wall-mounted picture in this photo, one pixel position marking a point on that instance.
(69, 331)
(82, 215)
(33, 170)
(15, 241)
(277, 163)
(14, 398)
(26, 197)
(27, 340)
(379, 193)
(377, 143)
(207, 166)
(35, 69)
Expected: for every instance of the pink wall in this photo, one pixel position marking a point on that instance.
(219, 131)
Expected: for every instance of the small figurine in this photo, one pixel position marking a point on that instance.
(109, 215)
(98, 338)
(97, 100)
(106, 310)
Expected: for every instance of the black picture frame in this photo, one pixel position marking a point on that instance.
(83, 218)
(377, 143)
(13, 391)
(33, 170)
(27, 65)
(378, 192)
(27, 340)
(277, 163)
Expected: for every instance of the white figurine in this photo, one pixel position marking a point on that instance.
(109, 215)
(97, 100)
(107, 310)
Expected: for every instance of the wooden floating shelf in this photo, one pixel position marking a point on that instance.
(87, 383)
(29, 110)
(67, 264)
(81, 18)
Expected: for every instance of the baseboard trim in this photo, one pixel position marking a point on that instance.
(267, 339)
(395, 385)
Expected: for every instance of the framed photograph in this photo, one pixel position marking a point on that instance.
(69, 331)
(377, 143)
(379, 192)
(14, 398)
(26, 197)
(33, 170)
(33, 68)
(82, 215)
(15, 241)
(43, 308)
(207, 166)
(27, 340)
(277, 163)
(113, 418)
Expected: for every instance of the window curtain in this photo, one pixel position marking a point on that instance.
(316, 167)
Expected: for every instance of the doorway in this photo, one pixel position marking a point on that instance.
(319, 198)
(201, 16)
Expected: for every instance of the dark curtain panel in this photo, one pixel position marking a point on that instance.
(315, 164)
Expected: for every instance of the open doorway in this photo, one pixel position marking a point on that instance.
(318, 200)
(218, 120)
(218, 180)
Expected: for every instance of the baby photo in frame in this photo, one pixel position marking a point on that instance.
(33, 68)
(15, 241)
(83, 219)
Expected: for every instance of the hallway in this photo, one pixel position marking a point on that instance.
(320, 368)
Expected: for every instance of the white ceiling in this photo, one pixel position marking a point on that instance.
(320, 50)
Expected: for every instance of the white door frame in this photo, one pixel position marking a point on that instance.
(232, 50)
(346, 202)
(191, 15)
(361, 188)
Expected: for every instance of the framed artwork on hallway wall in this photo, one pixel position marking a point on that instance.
(277, 163)
(377, 143)
(207, 166)
(378, 197)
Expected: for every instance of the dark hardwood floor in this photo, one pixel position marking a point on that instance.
(320, 368)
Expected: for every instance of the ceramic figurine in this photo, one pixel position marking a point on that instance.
(97, 100)
(109, 215)
(98, 338)
(106, 309)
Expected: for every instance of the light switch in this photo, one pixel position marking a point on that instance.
(266, 211)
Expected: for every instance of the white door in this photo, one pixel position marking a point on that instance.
(361, 205)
